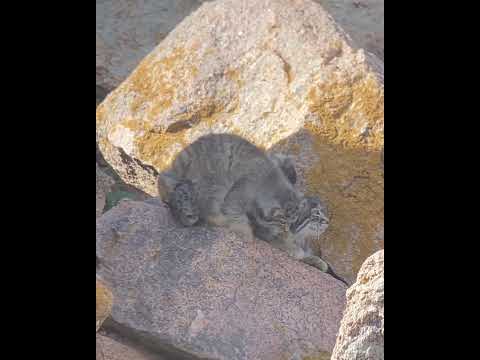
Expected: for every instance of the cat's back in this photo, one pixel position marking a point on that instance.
(218, 155)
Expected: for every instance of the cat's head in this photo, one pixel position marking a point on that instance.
(305, 219)
(314, 217)
(311, 225)
(278, 210)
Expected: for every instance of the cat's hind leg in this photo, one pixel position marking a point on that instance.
(229, 216)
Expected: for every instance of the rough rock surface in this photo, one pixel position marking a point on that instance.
(103, 303)
(127, 30)
(209, 293)
(108, 348)
(361, 335)
(279, 73)
(103, 186)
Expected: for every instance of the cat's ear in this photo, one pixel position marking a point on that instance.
(166, 184)
(286, 164)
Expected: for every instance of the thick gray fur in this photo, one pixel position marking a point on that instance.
(224, 180)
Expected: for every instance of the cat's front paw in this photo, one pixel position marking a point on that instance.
(184, 204)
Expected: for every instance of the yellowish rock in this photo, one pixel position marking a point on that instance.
(103, 304)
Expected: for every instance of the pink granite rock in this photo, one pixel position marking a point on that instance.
(361, 335)
(211, 294)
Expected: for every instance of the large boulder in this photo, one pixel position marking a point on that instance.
(361, 335)
(209, 293)
(127, 30)
(281, 74)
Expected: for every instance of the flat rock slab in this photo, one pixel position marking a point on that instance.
(209, 293)
(111, 349)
